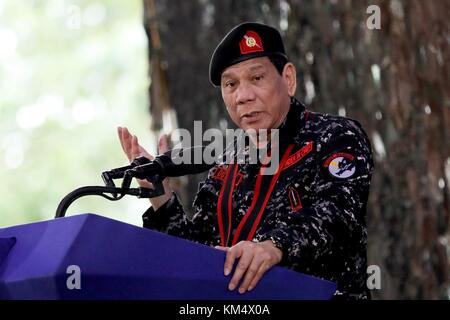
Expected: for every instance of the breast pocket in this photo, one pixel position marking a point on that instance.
(298, 181)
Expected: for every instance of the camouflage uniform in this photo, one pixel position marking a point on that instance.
(315, 213)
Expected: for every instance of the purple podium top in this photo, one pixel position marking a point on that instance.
(92, 257)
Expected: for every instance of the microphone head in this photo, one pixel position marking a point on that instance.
(176, 162)
(119, 172)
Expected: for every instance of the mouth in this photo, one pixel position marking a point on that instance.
(250, 116)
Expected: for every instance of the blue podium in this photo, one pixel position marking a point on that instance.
(109, 259)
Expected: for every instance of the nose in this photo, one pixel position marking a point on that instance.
(244, 93)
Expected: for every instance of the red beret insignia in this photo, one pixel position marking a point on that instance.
(251, 42)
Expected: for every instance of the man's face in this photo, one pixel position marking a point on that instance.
(256, 95)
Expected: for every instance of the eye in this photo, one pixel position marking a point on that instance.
(229, 84)
(258, 77)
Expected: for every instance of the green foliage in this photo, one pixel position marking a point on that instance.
(70, 73)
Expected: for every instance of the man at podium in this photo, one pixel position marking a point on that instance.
(309, 215)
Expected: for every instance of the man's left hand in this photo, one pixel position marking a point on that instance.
(254, 260)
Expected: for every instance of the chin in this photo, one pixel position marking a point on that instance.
(258, 125)
(255, 127)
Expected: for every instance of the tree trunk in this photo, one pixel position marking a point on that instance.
(393, 80)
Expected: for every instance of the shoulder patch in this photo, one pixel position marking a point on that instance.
(219, 173)
(341, 165)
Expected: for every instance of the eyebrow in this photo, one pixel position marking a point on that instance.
(252, 68)
(255, 67)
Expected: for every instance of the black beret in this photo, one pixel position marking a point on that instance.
(246, 41)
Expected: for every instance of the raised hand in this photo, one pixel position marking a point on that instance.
(133, 149)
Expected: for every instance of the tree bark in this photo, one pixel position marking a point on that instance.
(394, 81)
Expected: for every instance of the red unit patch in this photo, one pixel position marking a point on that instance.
(251, 42)
(219, 174)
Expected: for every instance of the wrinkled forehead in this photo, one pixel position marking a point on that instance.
(247, 66)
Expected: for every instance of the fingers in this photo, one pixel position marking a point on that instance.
(254, 261)
(143, 152)
(222, 248)
(131, 146)
(134, 147)
(126, 142)
(261, 271)
(232, 254)
(163, 144)
(242, 266)
(119, 133)
(250, 273)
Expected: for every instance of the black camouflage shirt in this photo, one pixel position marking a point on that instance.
(315, 212)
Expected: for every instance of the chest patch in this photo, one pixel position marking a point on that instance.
(219, 173)
(341, 165)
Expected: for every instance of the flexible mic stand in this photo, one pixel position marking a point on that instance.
(110, 188)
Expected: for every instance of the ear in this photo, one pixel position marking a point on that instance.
(290, 77)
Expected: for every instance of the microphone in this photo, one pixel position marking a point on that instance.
(171, 164)
(119, 172)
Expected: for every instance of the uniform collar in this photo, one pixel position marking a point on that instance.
(294, 121)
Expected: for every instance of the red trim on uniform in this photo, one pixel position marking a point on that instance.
(219, 209)
(230, 202)
(255, 197)
(338, 154)
(294, 199)
(272, 185)
(240, 176)
(299, 155)
(247, 214)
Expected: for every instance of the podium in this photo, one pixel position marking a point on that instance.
(115, 260)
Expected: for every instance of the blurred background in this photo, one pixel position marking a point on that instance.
(72, 71)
